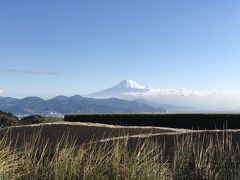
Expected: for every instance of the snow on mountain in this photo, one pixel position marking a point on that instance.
(130, 85)
(124, 87)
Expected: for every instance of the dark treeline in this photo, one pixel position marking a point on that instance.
(188, 121)
(8, 119)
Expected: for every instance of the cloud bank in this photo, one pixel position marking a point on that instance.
(31, 71)
(182, 92)
(198, 99)
(1, 91)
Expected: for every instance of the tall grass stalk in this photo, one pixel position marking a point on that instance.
(191, 156)
(9, 160)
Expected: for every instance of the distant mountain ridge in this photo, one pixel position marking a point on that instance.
(169, 107)
(74, 104)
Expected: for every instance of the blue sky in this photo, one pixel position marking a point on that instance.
(53, 47)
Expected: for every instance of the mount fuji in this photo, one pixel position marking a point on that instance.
(122, 88)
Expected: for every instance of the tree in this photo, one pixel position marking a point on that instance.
(7, 119)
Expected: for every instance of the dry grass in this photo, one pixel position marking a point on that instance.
(167, 154)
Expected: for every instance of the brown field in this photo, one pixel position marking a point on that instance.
(90, 132)
(82, 132)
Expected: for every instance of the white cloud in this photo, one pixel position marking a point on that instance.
(1, 91)
(197, 99)
(182, 92)
(31, 71)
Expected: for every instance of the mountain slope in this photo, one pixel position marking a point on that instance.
(28, 105)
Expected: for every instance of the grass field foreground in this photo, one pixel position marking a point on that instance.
(189, 158)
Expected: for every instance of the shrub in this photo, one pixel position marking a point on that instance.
(34, 119)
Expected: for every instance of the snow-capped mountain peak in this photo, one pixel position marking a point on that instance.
(130, 84)
(125, 86)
